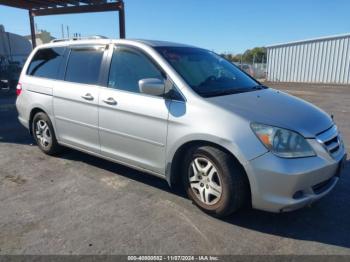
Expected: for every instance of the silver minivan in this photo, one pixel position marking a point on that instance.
(184, 114)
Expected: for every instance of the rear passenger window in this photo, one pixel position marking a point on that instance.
(84, 65)
(128, 66)
(46, 62)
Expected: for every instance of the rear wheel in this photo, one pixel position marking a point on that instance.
(44, 134)
(214, 181)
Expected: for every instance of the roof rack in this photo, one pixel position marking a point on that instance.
(94, 37)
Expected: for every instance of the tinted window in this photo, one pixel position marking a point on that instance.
(84, 65)
(128, 67)
(46, 62)
(207, 73)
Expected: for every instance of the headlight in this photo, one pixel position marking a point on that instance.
(282, 142)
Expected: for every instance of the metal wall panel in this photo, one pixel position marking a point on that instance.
(322, 60)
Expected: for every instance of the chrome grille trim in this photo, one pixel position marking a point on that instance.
(330, 140)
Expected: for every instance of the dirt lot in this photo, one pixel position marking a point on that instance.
(78, 204)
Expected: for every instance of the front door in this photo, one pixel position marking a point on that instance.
(133, 126)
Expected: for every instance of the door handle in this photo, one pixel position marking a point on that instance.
(88, 96)
(110, 101)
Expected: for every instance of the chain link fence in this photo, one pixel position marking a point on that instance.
(256, 70)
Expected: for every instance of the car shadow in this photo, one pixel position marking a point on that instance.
(11, 130)
(133, 174)
(326, 221)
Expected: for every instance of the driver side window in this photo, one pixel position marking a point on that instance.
(128, 66)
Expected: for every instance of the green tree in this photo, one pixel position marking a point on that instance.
(232, 57)
(255, 55)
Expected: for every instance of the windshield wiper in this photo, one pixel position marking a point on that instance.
(224, 92)
(259, 87)
(221, 92)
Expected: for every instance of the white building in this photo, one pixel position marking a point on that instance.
(42, 37)
(319, 60)
(13, 47)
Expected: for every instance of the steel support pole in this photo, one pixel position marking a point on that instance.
(32, 29)
(122, 20)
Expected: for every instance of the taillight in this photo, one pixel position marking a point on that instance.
(18, 89)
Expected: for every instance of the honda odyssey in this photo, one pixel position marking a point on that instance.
(184, 114)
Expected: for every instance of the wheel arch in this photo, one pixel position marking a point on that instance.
(33, 112)
(174, 173)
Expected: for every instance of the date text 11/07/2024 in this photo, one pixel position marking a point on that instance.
(173, 258)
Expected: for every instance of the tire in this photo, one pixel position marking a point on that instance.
(44, 134)
(202, 182)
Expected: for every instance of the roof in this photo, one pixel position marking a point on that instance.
(155, 43)
(324, 38)
(102, 40)
(52, 7)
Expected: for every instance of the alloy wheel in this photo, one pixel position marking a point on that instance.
(205, 181)
(43, 133)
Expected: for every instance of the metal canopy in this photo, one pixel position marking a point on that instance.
(57, 7)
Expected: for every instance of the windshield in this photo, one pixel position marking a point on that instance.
(207, 73)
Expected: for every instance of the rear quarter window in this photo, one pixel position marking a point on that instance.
(46, 63)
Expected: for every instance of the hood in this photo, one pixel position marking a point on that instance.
(276, 108)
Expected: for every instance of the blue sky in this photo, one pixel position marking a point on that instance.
(221, 25)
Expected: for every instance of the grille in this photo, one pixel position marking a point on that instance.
(330, 140)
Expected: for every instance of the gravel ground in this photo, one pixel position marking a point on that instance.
(79, 204)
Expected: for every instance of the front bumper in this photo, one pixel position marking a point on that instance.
(280, 184)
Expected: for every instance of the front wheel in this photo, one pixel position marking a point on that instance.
(44, 134)
(214, 181)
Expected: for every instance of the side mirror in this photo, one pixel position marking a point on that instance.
(152, 86)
